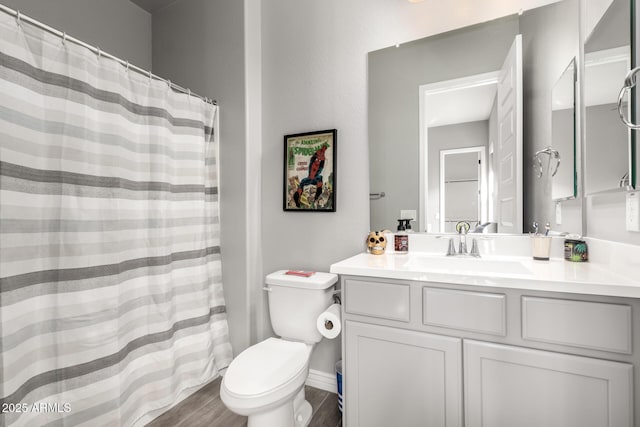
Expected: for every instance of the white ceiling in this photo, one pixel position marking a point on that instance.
(470, 104)
(152, 5)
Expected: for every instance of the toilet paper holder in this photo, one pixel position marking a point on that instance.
(328, 324)
(336, 297)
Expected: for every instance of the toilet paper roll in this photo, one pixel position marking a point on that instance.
(329, 323)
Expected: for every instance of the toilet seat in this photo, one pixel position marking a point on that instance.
(265, 373)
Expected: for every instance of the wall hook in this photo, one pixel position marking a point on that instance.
(552, 154)
(629, 83)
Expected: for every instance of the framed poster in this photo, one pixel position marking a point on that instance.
(310, 171)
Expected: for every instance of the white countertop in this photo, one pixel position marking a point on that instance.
(516, 272)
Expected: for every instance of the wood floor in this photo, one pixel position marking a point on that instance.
(205, 409)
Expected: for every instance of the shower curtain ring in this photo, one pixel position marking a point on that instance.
(169, 83)
(150, 77)
(127, 66)
(64, 38)
(98, 52)
(18, 18)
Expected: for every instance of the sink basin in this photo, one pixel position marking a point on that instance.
(466, 265)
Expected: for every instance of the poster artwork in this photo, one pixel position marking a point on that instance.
(310, 160)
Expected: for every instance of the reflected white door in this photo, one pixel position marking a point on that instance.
(509, 147)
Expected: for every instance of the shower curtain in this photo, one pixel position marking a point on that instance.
(111, 299)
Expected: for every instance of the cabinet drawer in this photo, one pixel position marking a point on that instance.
(584, 324)
(377, 299)
(469, 311)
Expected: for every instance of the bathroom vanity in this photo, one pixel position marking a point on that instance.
(498, 341)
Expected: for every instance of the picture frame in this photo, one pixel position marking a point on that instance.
(310, 171)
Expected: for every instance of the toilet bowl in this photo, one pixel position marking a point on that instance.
(266, 381)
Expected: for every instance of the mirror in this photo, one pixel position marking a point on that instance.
(441, 73)
(607, 140)
(563, 137)
(441, 93)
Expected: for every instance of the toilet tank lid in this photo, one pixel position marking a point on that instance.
(317, 280)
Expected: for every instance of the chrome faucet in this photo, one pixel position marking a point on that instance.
(481, 227)
(462, 228)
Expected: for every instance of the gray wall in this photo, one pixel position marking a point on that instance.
(462, 135)
(116, 26)
(606, 154)
(550, 41)
(199, 44)
(394, 122)
(315, 77)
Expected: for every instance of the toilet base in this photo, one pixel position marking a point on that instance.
(280, 416)
(302, 409)
(292, 413)
(303, 416)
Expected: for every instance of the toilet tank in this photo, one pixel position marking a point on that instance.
(295, 303)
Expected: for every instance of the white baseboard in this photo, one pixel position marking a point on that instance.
(322, 380)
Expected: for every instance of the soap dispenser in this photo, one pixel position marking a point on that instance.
(401, 239)
(407, 225)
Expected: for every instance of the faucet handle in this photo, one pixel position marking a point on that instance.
(475, 252)
(462, 227)
(451, 250)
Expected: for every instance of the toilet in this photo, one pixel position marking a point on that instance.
(266, 381)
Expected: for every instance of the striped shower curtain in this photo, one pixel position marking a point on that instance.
(111, 299)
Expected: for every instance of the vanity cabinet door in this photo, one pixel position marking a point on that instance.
(512, 386)
(396, 377)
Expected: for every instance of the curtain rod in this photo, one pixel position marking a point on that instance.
(21, 17)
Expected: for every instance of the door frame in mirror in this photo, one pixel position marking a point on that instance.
(444, 86)
(482, 183)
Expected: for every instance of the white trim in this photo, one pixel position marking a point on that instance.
(475, 80)
(322, 380)
(257, 323)
(424, 162)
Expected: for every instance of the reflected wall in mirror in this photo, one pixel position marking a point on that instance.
(399, 165)
(563, 135)
(607, 140)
